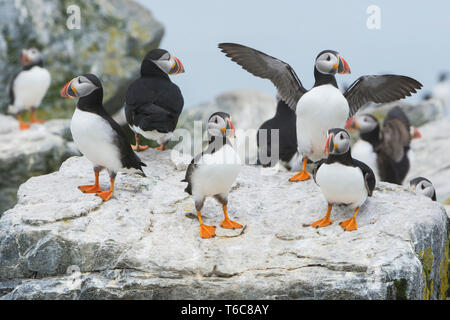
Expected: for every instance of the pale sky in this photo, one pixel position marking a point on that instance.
(414, 39)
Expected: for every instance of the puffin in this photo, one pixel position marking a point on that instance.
(324, 106)
(284, 121)
(29, 86)
(213, 172)
(342, 179)
(98, 137)
(424, 187)
(386, 151)
(153, 103)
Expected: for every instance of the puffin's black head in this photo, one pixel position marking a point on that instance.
(31, 56)
(331, 62)
(364, 123)
(219, 124)
(424, 187)
(338, 141)
(81, 86)
(171, 65)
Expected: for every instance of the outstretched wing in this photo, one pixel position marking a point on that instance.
(379, 89)
(264, 66)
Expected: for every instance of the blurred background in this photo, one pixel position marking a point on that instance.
(412, 39)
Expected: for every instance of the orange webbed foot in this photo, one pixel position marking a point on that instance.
(349, 225)
(322, 223)
(207, 232)
(90, 188)
(140, 148)
(228, 224)
(302, 176)
(161, 148)
(105, 195)
(37, 121)
(24, 126)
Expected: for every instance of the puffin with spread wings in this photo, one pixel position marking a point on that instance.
(324, 106)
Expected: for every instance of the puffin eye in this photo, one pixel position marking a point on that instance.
(216, 121)
(423, 187)
(79, 80)
(328, 58)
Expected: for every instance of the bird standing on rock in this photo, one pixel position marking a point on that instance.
(342, 179)
(385, 150)
(99, 138)
(284, 121)
(213, 172)
(153, 103)
(29, 86)
(324, 106)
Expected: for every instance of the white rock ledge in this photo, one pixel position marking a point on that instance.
(23, 154)
(145, 243)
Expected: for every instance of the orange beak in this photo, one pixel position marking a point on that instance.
(351, 124)
(415, 133)
(232, 129)
(177, 67)
(230, 126)
(24, 58)
(327, 143)
(343, 67)
(68, 91)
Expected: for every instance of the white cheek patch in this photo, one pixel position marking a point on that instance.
(326, 66)
(164, 65)
(84, 89)
(214, 129)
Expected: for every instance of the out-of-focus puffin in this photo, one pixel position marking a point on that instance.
(342, 179)
(442, 91)
(424, 187)
(97, 135)
(29, 86)
(284, 121)
(153, 103)
(213, 172)
(386, 151)
(324, 106)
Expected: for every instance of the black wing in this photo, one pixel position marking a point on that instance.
(188, 177)
(129, 157)
(11, 89)
(285, 122)
(369, 176)
(316, 168)
(212, 147)
(264, 66)
(152, 104)
(379, 89)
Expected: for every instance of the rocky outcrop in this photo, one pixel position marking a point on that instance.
(33, 152)
(109, 43)
(431, 156)
(58, 243)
